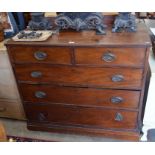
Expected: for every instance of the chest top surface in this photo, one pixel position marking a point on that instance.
(89, 38)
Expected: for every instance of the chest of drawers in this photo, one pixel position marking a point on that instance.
(78, 82)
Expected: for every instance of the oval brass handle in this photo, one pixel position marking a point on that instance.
(2, 109)
(117, 78)
(119, 117)
(40, 94)
(42, 117)
(36, 74)
(39, 55)
(108, 57)
(116, 99)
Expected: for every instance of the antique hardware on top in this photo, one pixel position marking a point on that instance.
(39, 55)
(108, 57)
(29, 35)
(118, 117)
(117, 78)
(39, 22)
(124, 21)
(40, 94)
(116, 99)
(81, 21)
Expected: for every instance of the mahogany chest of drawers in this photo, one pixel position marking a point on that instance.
(80, 82)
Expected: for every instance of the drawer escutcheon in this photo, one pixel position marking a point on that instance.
(36, 74)
(117, 78)
(116, 99)
(118, 117)
(40, 94)
(108, 57)
(42, 117)
(39, 55)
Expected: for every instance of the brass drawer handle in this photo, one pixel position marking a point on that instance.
(108, 57)
(117, 78)
(40, 94)
(39, 55)
(2, 109)
(36, 74)
(116, 99)
(119, 117)
(42, 117)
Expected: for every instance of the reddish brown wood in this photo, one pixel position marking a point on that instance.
(72, 115)
(115, 134)
(75, 77)
(81, 76)
(89, 38)
(133, 57)
(56, 55)
(80, 96)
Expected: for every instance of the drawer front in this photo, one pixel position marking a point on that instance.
(80, 96)
(110, 56)
(53, 55)
(71, 115)
(81, 76)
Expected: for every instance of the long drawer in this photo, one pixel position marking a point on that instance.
(81, 76)
(133, 57)
(80, 96)
(53, 55)
(72, 115)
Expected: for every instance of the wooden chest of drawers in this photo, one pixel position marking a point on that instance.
(78, 82)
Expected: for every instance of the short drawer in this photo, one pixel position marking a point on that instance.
(53, 55)
(72, 115)
(81, 76)
(80, 96)
(110, 56)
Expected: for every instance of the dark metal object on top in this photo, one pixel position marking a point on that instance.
(124, 21)
(81, 21)
(29, 35)
(39, 22)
